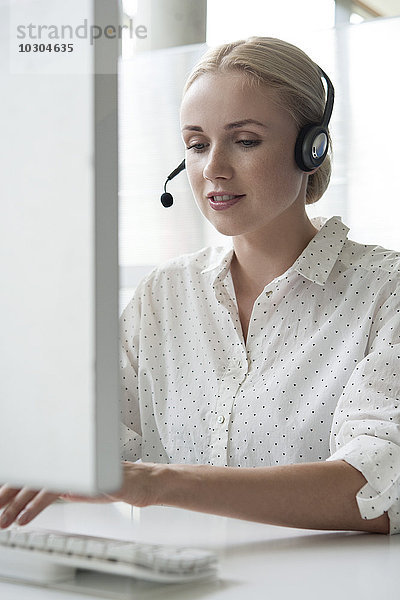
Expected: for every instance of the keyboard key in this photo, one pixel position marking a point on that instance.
(95, 548)
(4, 536)
(124, 552)
(75, 545)
(18, 538)
(37, 540)
(56, 543)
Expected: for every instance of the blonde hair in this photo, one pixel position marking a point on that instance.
(286, 69)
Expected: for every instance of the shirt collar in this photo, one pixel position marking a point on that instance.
(220, 267)
(314, 263)
(320, 255)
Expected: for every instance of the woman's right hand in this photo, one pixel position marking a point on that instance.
(138, 489)
(22, 505)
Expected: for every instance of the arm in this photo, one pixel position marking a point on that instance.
(312, 495)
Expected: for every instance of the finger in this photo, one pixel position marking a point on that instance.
(15, 506)
(74, 498)
(41, 501)
(94, 499)
(7, 493)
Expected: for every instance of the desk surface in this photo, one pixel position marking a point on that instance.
(256, 561)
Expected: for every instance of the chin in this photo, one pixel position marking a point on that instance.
(230, 225)
(228, 229)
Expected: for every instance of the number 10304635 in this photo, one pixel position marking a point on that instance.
(46, 48)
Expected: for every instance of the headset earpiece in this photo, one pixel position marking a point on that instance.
(311, 147)
(313, 140)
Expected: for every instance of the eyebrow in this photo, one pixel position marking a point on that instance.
(229, 126)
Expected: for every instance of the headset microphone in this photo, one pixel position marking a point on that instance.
(166, 198)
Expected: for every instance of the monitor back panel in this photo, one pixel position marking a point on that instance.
(58, 260)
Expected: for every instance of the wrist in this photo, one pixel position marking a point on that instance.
(161, 481)
(146, 484)
(175, 485)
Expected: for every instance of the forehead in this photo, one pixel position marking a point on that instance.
(225, 97)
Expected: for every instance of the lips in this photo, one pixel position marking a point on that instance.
(223, 201)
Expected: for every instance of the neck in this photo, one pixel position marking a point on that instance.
(260, 257)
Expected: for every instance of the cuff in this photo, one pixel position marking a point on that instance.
(379, 461)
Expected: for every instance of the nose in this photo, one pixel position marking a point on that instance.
(218, 165)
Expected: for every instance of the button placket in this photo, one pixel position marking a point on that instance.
(257, 319)
(229, 387)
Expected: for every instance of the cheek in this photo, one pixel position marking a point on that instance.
(194, 174)
(277, 174)
(196, 185)
(281, 163)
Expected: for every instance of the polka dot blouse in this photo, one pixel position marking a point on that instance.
(317, 379)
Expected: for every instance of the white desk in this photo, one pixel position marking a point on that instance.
(256, 561)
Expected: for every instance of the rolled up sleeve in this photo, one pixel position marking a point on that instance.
(366, 423)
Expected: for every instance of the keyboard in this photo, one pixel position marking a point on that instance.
(48, 557)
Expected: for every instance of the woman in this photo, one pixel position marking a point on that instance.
(260, 383)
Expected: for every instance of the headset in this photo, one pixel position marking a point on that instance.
(311, 145)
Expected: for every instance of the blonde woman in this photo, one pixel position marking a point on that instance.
(261, 382)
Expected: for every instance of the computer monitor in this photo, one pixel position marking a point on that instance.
(59, 380)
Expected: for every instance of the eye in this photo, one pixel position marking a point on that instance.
(199, 147)
(249, 143)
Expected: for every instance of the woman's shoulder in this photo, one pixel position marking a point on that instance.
(187, 266)
(372, 258)
(353, 254)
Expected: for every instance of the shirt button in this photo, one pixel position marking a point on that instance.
(220, 419)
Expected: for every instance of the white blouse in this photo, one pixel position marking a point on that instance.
(317, 379)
